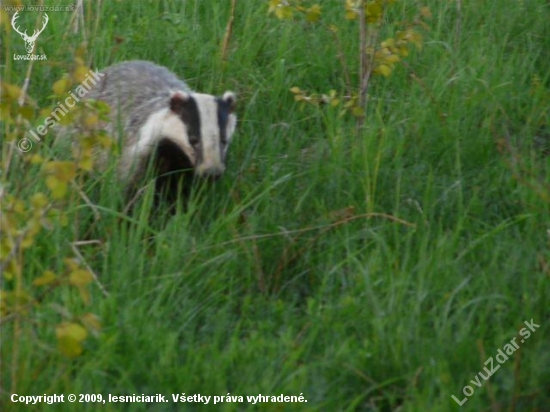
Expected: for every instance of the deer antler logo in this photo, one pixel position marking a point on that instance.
(29, 40)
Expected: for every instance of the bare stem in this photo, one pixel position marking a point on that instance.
(342, 58)
(228, 30)
(458, 27)
(363, 61)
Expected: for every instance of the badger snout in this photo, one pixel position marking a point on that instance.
(211, 173)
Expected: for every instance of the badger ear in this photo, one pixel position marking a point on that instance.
(231, 100)
(179, 101)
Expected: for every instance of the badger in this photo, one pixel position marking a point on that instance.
(162, 123)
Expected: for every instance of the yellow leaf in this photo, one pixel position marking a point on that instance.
(313, 13)
(283, 12)
(47, 278)
(90, 119)
(392, 58)
(373, 12)
(74, 330)
(416, 39)
(383, 69)
(72, 264)
(80, 277)
(66, 119)
(18, 206)
(84, 294)
(403, 51)
(39, 200)
(426, 13)
(86, 163)
(69, 338)
(6, 113)
(104, 141)
(52, 182)
(11, 90)
(61, 86)
(36, 159)
(26, 112)
(357, 111)
(63, 171)
(80, 53)
(5, 19)
(80, 73)
(351, 15)
(273, 4)
(57, 187)
(102, 108)
(295, 90)
(91, 321)
(28, 240)
(388, 43)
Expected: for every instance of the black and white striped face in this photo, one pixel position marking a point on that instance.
(202, 126)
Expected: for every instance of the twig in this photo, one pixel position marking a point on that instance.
(310, 229)
(134, 199)
(87, 200)
(74, 247)
(228, 30)
(26, 82)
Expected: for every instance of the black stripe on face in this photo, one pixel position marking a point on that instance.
(185, 106)
(224, 110)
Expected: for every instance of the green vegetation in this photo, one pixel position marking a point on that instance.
(371, 267)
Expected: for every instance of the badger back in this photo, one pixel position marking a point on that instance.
(155, 114)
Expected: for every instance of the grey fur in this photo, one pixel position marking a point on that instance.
(134, 90)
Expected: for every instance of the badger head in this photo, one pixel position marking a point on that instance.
(201, 127)
(189, 137)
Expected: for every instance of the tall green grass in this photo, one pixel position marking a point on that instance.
(288, 276)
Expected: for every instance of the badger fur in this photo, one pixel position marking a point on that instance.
(161, 122)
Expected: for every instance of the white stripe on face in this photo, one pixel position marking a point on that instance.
(210, 158)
